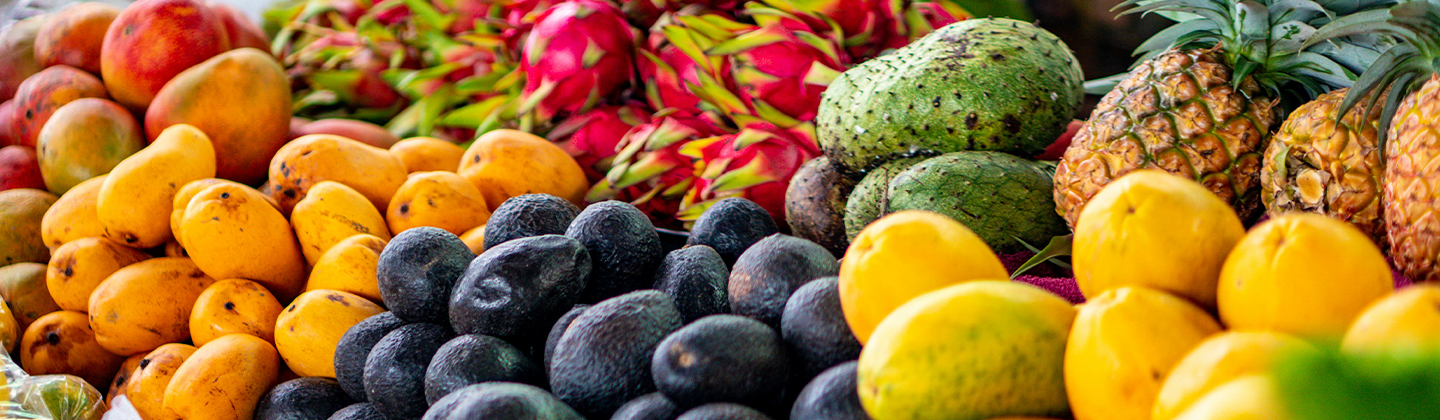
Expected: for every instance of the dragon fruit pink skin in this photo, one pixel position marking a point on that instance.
(780, 72)
(652, 170)
(578, 53)
(593, 138)
(358, 79)
(756, 163)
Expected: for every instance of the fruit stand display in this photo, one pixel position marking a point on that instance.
(762, 209)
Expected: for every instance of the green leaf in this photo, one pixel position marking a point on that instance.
(1169, 37)
(1059, 247)
(1104, 85)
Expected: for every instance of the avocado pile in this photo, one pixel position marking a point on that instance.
(945, 124)
(585, 314)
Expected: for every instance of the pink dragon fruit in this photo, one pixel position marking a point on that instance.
(756, 163)
(924, 17)
(593, 138)
(779, 70)
(655, 167)
(865, 26)
(347, 66)
(579, 53)
(675, 70)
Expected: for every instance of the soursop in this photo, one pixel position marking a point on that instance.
(979, 84)
(868, 202)
(998, 196)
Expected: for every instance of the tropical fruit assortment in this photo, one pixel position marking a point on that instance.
(769, 209)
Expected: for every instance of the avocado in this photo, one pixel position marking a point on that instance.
(722, 358)
(870, 199)
(671, 240)
(417, 270)
(520, 287)
(303, 399)
(730, 226)
(815, 204)
(500, 401)
(815, 330)
(529, 215)
(354, 347)
(623, 245)
(602, 360)
(395, 369)
(475, 358)
(652, 406)
(557, 331)
(831, 396)
(361, 411)
(696, 277)
(723, 411)
(767, 273)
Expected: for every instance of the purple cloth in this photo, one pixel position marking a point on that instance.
(1062, 282)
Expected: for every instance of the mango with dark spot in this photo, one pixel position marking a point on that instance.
(437, 199)
(78, 267)
(329, 214)
(44, 93)
(308, 160)
(62, 342)
(251, 240)
(138, 196)
(234, 306)
(151, 42)
(146, 390)
(224, 379)
(22, 285)
(350, 266)
(121, 384)
(309, 330)
(146, 304)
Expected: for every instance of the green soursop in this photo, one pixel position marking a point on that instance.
(868, 201)
(979, 84)
(999, 196)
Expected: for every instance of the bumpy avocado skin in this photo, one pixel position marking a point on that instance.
(998, 196)
(979, 84)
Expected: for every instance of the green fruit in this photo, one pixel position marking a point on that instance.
(870, 199)
(998, 196)
(63, 397)
(980, 84)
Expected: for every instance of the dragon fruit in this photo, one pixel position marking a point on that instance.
(675, 70)
(593, 138)
(652, 169)
(588, 53)
(343, 67)
(865, 26)
(756, 163)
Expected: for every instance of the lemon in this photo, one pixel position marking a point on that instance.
(904, 255)
(1303, 274)
(1123, 345)
(1220, 359)
(1251, 397)
(1408, 318)
(1150, 228)
(970, 351)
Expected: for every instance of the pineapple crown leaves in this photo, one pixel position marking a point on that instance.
(1415, 25)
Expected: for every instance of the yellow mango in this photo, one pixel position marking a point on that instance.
(73, 215)
(307, 160)
(234, 306)
(136, 199)
(63, 343)
(182, 199)
(146, 304)
(147, 385)
(350, 267)
(1407, 319)
(120, 385)
(1219, 359)
(422, 154)
(232, 232)
(307, 333)
(437, 199)
(78, 267)
(224, 379)
(474, 239)
(330, 213)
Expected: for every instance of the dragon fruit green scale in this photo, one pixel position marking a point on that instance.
(979, 84)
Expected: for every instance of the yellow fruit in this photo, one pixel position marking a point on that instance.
(120, 385)
(1150, 228)
(78, 267)
(232, 232)
(224, 379)
(73, 216)
(22, 286)
(146, 305)
(147, 387)
(9, 328)
(1407, 319)
(968, 351)
(136, 199)
(307, 160)
(63, 343)
(349, 266)
(22, 211)
(1220, 359)
(234, 306)
(331, 212)
(1124, 343)
(1303, 274)
(904, 255)
(474, 239)
(308, 331)
(182, 200)
(438, 199)
(1251, 397)
(422, 154)
(507, 163)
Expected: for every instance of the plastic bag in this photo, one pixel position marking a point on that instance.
(46, 397)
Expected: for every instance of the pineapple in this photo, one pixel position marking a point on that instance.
(1205, 101)
(1411, 117)
(1327, 165)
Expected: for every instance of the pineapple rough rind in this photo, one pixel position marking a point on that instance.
(1002, 198)
(980, 84)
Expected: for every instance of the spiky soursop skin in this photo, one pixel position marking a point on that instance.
(979, 84)
(999, 196)
(871, 198)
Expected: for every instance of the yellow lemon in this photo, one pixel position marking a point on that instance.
(1408, 318)
(904, 255)
(1251, 397)
(1219, 359)
(1303, 274)
(1150, 228)
(1124, 343)
(969, 351)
